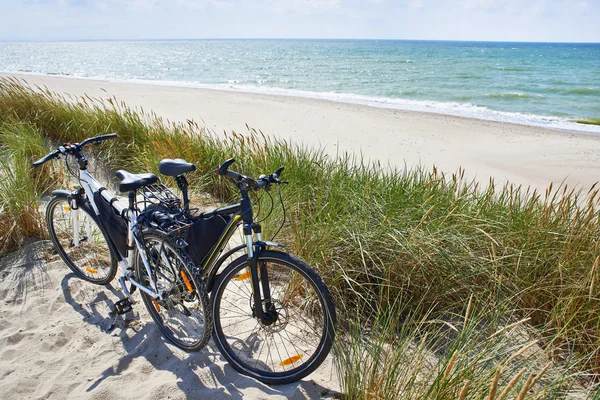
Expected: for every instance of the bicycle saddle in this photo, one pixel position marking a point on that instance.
(175, 167)
(132, 182)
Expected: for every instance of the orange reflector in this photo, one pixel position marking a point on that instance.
(243, 276)
(187, 282)
(156, 305)
(91, 270)
(66, 208)
(290, 360)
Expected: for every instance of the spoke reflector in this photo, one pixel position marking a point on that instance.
(243, 276)
(66, 208)
(291, 360)
(156, 305)
(91, 270)
(187, 282)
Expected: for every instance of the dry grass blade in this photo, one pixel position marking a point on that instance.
(525, 388)
(511, 384)
(520, 352)
(450, 365)
(494, 386)
(463, 391)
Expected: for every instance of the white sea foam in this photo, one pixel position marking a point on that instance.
(436, 107)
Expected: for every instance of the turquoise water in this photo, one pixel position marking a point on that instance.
(547, 84)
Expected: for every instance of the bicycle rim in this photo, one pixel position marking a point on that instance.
(287, 349)
(90, 258)
(183, 313)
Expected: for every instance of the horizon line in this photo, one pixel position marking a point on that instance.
(293, 38)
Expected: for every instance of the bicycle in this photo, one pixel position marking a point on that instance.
(175, 258)
(94, 234)
(273, 315)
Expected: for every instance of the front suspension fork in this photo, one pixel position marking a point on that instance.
(267, 314)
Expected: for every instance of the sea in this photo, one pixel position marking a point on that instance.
(541, 84)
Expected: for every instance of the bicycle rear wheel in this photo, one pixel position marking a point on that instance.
(301, 336)
(183, 314)
(90, 258)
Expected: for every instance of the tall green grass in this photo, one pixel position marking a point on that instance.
(428, 240)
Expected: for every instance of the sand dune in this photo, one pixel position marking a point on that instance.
(56, 343)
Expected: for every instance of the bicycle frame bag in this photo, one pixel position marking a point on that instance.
(203, 235)
(114, 225)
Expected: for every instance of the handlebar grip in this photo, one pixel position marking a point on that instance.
(104, 137)
(225, 166)
(277, 173)
(46, 158)
(98, 139)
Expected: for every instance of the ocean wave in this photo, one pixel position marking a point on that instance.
(428, 106)
(514, 95)
(515, 69)
(585, 91)
(468, 76)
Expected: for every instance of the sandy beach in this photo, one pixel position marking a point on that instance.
(521, 154)
(56, 343)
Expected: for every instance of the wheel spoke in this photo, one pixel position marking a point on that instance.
(292, 338)
(181, 315)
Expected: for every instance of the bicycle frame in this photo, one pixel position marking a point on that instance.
(91, 186)
(242, 215)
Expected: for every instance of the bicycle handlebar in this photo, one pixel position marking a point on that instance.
(260, 183)
(69, 148)
(98, 139)
(46, 158)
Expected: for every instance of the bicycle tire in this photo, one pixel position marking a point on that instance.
(92, 259)
(287, 301)
(176, 293)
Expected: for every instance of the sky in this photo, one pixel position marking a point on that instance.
(496, 20)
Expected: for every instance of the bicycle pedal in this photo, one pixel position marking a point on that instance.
(123, 306)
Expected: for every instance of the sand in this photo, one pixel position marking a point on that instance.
(55, 344)
(521, 154)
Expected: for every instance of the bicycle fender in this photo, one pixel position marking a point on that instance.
(274, 244)
(65, 194)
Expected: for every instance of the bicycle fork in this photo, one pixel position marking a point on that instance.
(268, 315)
(73, 209)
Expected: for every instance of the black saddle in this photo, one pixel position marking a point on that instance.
(132, 182)
(176, 167)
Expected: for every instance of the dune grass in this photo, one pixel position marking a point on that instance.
(381, 237)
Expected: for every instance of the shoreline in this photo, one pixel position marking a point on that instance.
(522, 154)
(451, 109)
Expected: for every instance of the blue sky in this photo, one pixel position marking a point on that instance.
(504, 20)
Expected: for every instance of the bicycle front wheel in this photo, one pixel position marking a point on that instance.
(299, 337)
(80, 242)
(183, 313)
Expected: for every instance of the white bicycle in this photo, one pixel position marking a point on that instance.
(95, 235)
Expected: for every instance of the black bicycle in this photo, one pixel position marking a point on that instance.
(274, 317)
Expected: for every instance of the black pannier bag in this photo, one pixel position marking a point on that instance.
(203, 235)
(113, 223)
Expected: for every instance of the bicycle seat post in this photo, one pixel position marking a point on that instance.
(182, 183)
(132, 199)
